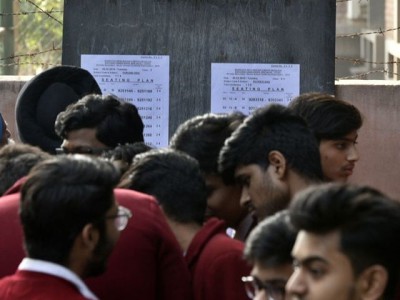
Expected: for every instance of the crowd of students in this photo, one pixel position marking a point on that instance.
(237, 207)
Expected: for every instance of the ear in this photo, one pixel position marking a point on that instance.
(278, 163)
(372, 282)
(90, 236)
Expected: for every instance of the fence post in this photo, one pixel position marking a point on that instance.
(7, 36)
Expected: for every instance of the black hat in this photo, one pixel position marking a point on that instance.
(46, 95)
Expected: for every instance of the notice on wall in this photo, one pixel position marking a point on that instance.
(142, 80)
(246, 87)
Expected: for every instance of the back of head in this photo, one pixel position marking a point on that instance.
(202, 137)
(60, 196)
(126, 152)
(174, 179)
(368, 223)
(116, 122)
(122, 155)
(16, 160)
(271, 241)
(269, 128)
(328, 117)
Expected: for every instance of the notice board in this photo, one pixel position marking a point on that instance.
(197, 33)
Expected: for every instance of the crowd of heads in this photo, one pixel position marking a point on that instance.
(202, 137)
(311, 235)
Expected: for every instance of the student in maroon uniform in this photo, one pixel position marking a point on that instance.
(70, 222)
(202, 137)
(146, 263)
(214, 259)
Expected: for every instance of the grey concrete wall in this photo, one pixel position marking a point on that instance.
(379, 138)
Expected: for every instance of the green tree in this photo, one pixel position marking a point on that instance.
(38, 34)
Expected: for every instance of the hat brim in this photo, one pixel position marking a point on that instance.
(43, 97)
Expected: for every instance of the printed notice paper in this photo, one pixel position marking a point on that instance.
(138, 79)
(245, 87)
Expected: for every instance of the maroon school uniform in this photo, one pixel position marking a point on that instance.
(216, 263)
(146, 263)
(37, 286)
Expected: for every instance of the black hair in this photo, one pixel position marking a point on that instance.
(202, 137)
(16, 160)
(60, 196)
(116, 122)
(125, 153)
(269, 128)
(270, 243)
(368, 223)
(328, 117)
(174, 179)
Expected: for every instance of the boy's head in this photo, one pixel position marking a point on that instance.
(268, 250)
(97, 123)
(174, 179)
(335, 124)
(271, 154)
(347, 246)
(202, 137)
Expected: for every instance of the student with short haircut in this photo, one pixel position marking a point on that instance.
(71, 222)
(213, 258)
(348, 244)
(146, 263)
(202, 137)
(268, 250)
(272, 155)
(97, 123)
(16, 160)
(335, 124)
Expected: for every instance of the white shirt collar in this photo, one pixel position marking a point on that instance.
(41, 266)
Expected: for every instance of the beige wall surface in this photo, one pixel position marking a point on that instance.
(9, 89)
(379, 138)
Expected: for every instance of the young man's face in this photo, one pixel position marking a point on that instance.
(338, 157)
(98, 262)
(83, 141)
(262, 194)
(223, 200)
(321, 270)
(273, 277)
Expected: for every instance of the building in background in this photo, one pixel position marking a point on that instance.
(367, 43)
(368, 37)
